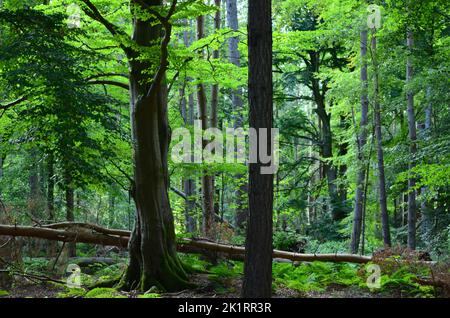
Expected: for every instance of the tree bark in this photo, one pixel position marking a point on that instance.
(34, 196)
(380, 155)
(329, 171)
(413, 146)
(50, 188)
(70, 217)
(189, 184)
(215, 104)
(258, 258)
(425, 206)
(207, 179)
(241, 193)
(153, 259)
(215, 87)
(361, 142)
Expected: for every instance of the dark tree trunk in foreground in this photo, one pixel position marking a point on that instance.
(258, 256)
(207, 179)
(362, 139)
(241, 193)
(380, 155)
(153, 258)
(413, 146)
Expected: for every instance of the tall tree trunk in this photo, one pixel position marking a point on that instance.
(258, 256)
(342, 169)
(381, 176)
(215, 87)
(207, 179)
(362, 139)
(111, 208)
(34, 196)
(413, 146)
(329, 171)
(153, 258)
(50, 188)
(425, 207)
(189, 184)
(215, 103)
(70, 216)
(241, 213)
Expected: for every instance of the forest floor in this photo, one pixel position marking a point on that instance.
(224, 280)
(206, 288)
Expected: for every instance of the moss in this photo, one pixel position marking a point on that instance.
(3, 293)
(150, 295)
(104, 293)
(72, 293)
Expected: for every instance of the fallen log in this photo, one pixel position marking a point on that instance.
(294, 257)
(89, 261)
(83, 233)
(93, 227)
(75, 235)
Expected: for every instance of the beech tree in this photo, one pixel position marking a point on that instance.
(154, 227)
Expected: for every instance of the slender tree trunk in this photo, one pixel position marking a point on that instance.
(381, 175)
(425, 206)
(207, 179)
(241, 213)
(362, 139)
(111, 208)
(189, 184)
(70, 216)
(258, 256)
(215, 87)
(413, 146)
(329, 171)
(50, 188)
(215, 103)
(34, 196)
(342, 170)
(153, 258)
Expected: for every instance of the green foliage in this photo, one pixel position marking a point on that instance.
(72, 293)
(3, 293)
(104, 293)
(150, 295)
(404, 282)
(35, 265)
(315, 276)
(288, 241)
(226, 270)
(194, 262)
(318, 247)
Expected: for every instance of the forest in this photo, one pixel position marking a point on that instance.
(224, 149)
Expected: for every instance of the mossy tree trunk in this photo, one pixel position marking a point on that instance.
(153, 258)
